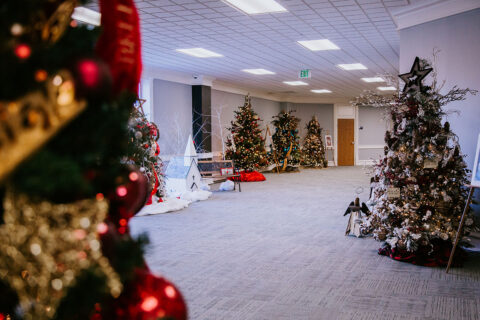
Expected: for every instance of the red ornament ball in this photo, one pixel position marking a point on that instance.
(149, 297)
(89, 72)
(129, 196)
(92, 78)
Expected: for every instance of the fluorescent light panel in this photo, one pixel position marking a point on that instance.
(258, 71)
(321, 91)
(352, 66)
(256, 6)
(387, 88)
(86, 15)
(296, 83)
(200, 53)
(318, 45)
(373, 79)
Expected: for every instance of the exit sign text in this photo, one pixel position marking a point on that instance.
(305, 74)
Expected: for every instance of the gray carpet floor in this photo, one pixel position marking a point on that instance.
(277, 251)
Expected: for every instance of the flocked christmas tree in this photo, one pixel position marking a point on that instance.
(66, 94)
(144, 151)
(313, 150)
(418, 194)
(286, 140)
(245, 146)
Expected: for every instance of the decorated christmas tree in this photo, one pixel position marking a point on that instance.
(418, 193)
(313, 151)
(245, 145)
(143, 151)
(286, 140)
(66, 94)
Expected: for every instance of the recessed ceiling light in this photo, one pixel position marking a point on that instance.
(352, 66)
(321, 91)
(373, 79)
(318, 45)
(86, 15)
(296, 83)
(200, 53)
(255, 6)
(258, 71)
(387, 88)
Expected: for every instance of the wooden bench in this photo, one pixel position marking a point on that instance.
(213, 169)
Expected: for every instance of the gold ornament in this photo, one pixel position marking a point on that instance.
(44, 248)
(58, 22)
(26, 124)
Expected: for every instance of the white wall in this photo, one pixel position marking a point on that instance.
(371, 136)
(172, 112)
(223, 106)
(172, 103)
(458, 38)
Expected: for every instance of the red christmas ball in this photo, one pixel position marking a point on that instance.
(149, 297)
(129, 196)
(92, 78)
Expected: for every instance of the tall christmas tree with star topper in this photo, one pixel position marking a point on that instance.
(418, 193)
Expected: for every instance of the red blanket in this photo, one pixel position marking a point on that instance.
(250, 176)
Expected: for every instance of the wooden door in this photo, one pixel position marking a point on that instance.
(346, 142)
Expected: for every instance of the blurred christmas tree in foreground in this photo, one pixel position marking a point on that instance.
(419, 192)
(286, 140)
(245, 146)
(144, 151)
(313, 151)
(66, 199)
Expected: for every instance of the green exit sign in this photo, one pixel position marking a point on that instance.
(305, 74)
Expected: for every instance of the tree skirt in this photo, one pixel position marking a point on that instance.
(425, 256)
(250, 176)
(171, 204)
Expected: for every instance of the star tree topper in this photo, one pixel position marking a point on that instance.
(413, 79)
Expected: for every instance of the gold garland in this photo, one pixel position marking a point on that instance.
(26, 124)
(44, 248)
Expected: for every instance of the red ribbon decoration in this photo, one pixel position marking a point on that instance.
(155, 188)
(119, 43)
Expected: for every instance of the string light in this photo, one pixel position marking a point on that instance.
(102, 228)
(23, 51)
(133, 176)
(41, 75)
(122, 191)
(149, 304)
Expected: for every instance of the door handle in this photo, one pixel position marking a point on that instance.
(353, 142)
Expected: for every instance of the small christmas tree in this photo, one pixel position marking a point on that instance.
(285, 139)
(143, 150)
(313, 151)
(418, 195)
(245, 146)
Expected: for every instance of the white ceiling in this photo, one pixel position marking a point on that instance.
(363, 29)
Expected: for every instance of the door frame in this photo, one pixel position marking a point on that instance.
(344, 111)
